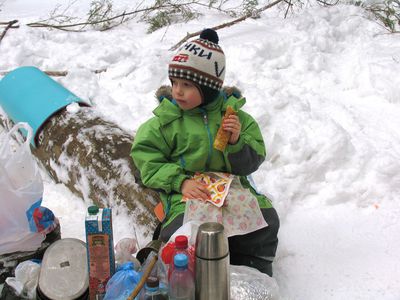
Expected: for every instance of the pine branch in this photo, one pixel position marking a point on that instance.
(248, 15)
(122, 16)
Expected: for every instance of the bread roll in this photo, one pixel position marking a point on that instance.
(222, 137)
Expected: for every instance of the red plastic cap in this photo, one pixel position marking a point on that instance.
(181, 242)
(167, 252)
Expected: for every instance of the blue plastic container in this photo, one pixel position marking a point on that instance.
(29, 95)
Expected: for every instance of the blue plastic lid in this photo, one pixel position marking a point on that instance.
(180, 260)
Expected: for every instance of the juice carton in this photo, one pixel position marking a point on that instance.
(100, 250)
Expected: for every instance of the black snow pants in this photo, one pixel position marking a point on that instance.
(256, 249)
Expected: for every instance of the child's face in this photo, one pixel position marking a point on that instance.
(186, 94)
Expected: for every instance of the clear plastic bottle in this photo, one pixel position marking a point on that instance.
(152, 290)
(181, 284)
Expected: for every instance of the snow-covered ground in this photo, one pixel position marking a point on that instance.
(324, 86)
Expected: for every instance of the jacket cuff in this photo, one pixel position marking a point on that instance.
(236, 147)
(176, 184)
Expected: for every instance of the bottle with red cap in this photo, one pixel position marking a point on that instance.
(179, 246)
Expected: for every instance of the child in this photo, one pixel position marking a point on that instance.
(170, 147)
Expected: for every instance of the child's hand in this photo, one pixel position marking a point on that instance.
(193, 189)
(232, 124)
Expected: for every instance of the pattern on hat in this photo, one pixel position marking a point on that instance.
(201, 61)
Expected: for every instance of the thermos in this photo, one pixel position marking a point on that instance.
(212, 263)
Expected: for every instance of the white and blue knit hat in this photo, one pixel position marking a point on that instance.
(203, 62)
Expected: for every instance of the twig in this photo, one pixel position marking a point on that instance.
(9, 25)
(289, 4)
(58, 73)
(144, 278)
(326, 3)
(6, 23)
(190, 35)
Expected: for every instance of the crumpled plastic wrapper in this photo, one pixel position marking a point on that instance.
(124, 251)
(250, 284)
(26, 279)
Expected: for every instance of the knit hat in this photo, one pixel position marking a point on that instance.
(203, 62)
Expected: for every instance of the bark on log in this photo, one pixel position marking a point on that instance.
(91, 157)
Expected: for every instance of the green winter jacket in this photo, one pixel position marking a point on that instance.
(174, 144)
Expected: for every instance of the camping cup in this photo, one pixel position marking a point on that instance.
(212, 263)
(143, 253)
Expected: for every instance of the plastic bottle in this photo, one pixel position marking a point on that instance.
(181, 284)
(152, 290)
(181, 246)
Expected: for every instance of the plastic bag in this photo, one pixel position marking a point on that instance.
(240, 213)
(250, 284)
(26, 279)
(21, 190)
(122, 283)
(124, 251)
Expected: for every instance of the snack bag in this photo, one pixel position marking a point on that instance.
(217, 183)
(222, 137)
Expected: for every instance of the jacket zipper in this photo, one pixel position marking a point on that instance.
(205, 119)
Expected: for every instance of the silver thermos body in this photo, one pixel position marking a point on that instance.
(212, 263)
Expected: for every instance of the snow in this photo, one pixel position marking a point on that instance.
(323, 85)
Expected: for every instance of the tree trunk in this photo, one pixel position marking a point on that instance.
(91, 157)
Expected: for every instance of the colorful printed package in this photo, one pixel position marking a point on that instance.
(217, 183)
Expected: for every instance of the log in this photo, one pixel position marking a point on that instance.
(91, 156)
(58, 73)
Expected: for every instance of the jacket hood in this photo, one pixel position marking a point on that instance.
(168, 111)
(165, 91)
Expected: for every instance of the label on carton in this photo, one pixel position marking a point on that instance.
(99, 260)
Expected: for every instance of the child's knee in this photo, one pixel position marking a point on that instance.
(168, 230)
(271, 217)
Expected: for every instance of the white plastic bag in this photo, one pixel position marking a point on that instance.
(124, 251)
(250, 284)
(21, 190)
(26, 279)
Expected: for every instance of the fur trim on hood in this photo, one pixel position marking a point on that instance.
(165, 91)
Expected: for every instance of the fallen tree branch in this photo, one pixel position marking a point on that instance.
(227, 24)
(91, 157)
(58, 73)
(122, 16)
(9, 25)
(6, 23)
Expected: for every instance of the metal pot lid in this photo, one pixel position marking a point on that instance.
(64, 272)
